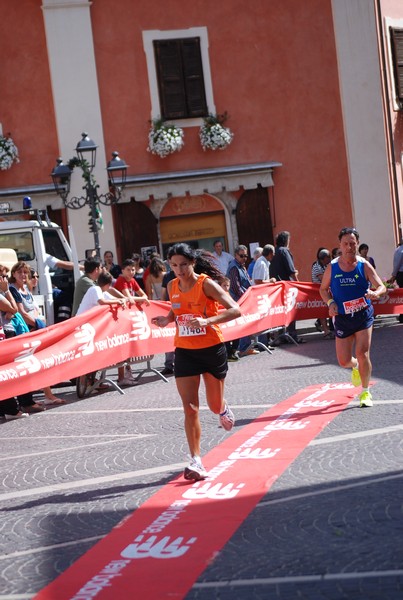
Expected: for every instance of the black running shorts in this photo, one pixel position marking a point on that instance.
(205, 360)
(346, 325)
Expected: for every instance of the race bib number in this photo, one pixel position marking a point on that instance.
(184, 329)
(352, 306)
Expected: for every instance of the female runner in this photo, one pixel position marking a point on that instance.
(199, 343)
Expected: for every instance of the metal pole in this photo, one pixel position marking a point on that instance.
(92, 202)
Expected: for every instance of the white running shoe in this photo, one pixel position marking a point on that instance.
(227, 419)
(195, 470)
(19, 415)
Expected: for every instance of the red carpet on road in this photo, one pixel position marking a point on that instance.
(164, 546)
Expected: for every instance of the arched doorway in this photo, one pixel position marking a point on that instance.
(135, 228)
(253, 217)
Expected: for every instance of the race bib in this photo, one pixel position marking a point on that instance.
(184, 330)
(352, 306)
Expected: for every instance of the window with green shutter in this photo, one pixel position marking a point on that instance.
(180, 78)
(396, 38)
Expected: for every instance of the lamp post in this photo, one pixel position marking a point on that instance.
(86, 150)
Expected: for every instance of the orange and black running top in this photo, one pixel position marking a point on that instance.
(187, 306)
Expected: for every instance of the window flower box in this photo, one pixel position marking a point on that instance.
(213, 135)
(8, 152)
(164, 138)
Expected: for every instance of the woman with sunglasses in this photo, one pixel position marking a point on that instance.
(349, 283)
(199, 344)
(21, 285)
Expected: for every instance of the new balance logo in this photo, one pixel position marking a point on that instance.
(140, 327)
(27, 362)
(213, 491)
(255, 453)
(154, 548)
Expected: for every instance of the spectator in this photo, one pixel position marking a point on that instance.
(222, 258)
(32, 283)
(239, 283)
(100, 294)
(363, 251)
(139, 270)
(257, 253)
(336, 252)
(323, 258)
(397, 271)
(103, 294)
(128, 286)
(283, 269)
(154, 280)
(146, 272)
(261, 270)
(232, 345)
(56, 263)
(9, 408)
(110, 266)
(30, 312)
(92, 269)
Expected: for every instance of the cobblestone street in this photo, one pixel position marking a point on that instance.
(330, 527)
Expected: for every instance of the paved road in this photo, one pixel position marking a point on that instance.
(331, 527)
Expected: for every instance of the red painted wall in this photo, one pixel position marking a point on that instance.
(274, 70)
(26, 104)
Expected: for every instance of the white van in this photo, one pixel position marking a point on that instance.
(32, 236)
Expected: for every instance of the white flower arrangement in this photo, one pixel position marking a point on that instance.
(8, 152)
(164, 138)
(213, 135)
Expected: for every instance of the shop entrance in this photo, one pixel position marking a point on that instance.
(197, 220)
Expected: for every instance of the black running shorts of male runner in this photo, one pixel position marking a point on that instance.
(346, 325)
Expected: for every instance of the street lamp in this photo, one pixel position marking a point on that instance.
(86, 150)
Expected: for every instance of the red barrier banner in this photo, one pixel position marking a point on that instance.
(163, 547)
(105, 336)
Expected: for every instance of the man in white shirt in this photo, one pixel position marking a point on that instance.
(261, 270)
(99, 294)
(221, 257)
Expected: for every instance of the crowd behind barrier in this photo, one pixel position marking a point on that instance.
(104, 336)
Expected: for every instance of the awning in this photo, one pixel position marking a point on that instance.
(200, 181)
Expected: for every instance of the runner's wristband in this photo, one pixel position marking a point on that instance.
(331, 301)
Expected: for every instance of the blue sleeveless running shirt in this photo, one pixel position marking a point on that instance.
(349, 289)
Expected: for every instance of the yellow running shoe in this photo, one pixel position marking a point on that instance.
(355, 377)
(365, 399)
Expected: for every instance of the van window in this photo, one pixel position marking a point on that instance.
(53, 244)
(21, 242)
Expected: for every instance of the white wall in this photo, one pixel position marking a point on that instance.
(361, 94)
(76, 102)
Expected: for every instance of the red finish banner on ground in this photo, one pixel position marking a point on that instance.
(165, 545)
(105, 336)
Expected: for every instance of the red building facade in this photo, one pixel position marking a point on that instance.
(309, 89)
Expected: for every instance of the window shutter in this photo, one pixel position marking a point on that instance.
(180, 78)
(396, 36)
(193, 77)
(170, 79)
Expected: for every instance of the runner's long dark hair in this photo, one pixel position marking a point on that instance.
(203, 260)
